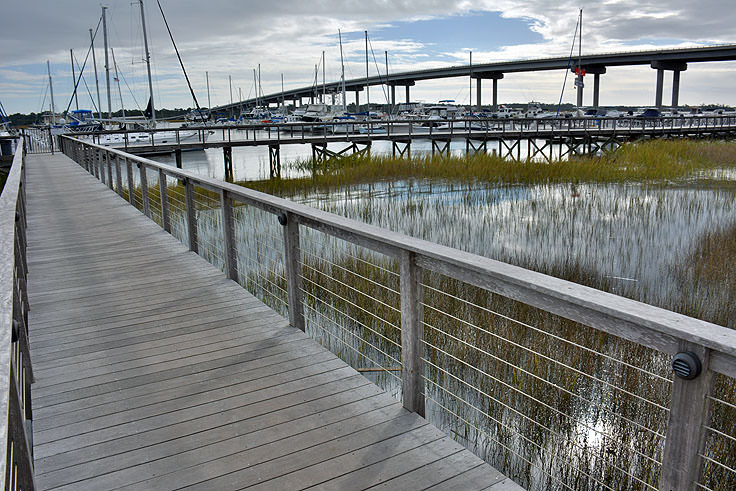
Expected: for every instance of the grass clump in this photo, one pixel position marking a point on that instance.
(646, 161)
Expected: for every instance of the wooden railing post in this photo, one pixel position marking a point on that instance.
(412, 316)
(118, 176)
(689, 411)
(101, 160)
(96, 162)
(191, 215)
(228, 235)
(109, 170)
(293, 265)
(131, 182)
(144, 190)
(163, 188)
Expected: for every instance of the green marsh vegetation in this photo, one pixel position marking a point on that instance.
(551, 403)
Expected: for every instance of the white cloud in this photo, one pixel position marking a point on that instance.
(229, 38)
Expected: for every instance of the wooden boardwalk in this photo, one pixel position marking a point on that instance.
(153, 371)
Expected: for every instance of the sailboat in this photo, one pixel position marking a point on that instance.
(154, 138)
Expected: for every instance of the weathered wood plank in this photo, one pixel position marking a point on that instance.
(153, 370)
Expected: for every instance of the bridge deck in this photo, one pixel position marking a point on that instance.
(153, 371)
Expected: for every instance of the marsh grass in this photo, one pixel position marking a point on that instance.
(653, 161)
(550, 402)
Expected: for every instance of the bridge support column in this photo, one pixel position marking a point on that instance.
(660, 84)
(495, 76)
(596, 89)
(676, 67)
(579, 83)
(495, 94)
(675, 88)
(393, 95)
(357, 101)
(596, 71)
(408, 97)
(478, 94)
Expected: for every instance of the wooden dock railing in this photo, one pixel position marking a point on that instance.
(549, 377)
(272, 133)
(16, 374)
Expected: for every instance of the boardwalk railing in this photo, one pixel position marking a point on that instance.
(557, 384)
(37, 140)
(475, 127)
(16, 374)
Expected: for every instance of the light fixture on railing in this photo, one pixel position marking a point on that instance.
(686, 364)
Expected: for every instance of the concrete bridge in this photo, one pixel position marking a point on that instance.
(674, 60)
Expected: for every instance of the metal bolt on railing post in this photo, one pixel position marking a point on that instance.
(164, 190)
(689, 412)
(412, 316)
(191, 215)
(292, 263)
(144, 190)
(228, 235)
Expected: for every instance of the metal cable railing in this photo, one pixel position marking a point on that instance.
(556, 384)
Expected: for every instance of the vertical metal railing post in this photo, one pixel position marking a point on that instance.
(412, 318)
(144, 190)
(164, 191)
(689, 412)
(191, 215)
(292, 263)
(228, 235)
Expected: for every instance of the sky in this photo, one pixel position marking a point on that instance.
(227, 39)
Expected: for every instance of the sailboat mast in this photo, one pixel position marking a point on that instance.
(117, 79)
(580, 61)
(390, 108)
(283, 101)
(342, 73)
(148, 65)
(255, 85)
(207, 76)
(51, 89)
(580, 40)
(97, 80)
(74, 79)
(367, 87)
(324, 87)
(107, 63)
(470, 102)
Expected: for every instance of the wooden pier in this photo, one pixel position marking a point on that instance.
(154, 371)
(544, 139)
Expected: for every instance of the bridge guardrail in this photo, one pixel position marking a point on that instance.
(560, 379)
(16, 416)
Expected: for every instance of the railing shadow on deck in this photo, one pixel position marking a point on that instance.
(542, 376)
(15, 382)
